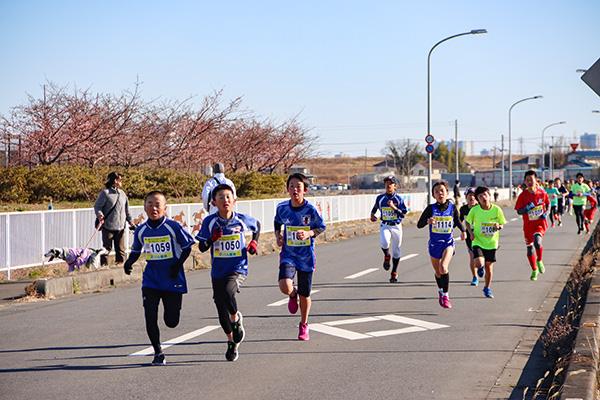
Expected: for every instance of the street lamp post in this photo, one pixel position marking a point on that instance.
(429, 157)
(544, 147)
(510, 180)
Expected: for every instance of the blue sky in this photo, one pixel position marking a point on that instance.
(354, 71)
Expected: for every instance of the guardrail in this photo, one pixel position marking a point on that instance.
(26, 236)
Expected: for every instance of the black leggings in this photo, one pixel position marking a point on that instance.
(224, 290)
(578, 216)
(553, 212)
(172, 310)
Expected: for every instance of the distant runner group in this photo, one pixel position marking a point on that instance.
(166, 245)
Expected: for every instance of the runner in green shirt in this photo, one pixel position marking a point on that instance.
(484, 222)
(553, 195)
(579, 191)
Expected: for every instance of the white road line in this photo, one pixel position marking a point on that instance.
(343, 333)
(514, 219)
(351, 321)
(396, 331)
(361, 273)
(411, 321)
(182, 338)
(408, 256)
(284, 301)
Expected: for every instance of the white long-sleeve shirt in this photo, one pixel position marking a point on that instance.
(211, 183)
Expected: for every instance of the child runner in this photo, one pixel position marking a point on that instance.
(483, 224)
(391, 210)
(302, 223)
(533, 205)
(464, 211)
(589, 211)
(562, 190)
(223, 232)
(553, 195)
(580, 190)
(442, 217)
(166, 246)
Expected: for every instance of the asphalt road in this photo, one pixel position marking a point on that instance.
(79, 347)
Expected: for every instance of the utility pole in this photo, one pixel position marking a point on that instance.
(551, 157)
(456, 147)
(502, 159)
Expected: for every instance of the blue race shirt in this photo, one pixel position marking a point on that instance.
(440, 232)
(228, 254)
(296, 252)
(387, 213)
(162, 246)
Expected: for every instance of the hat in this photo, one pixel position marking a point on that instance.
(469, 191)
(218, 168)
(390, 178)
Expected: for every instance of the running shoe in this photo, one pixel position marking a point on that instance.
(303, 332)
(552, 225)
(487, 292)
(480, 272)
(446, 301)
(540, 266)
(559, 223)
(159, 359)
(394, 277)
(534, 275)
(231, 354)
(237, 329)
(440, 298)
(474, 281)
(293, 304)
(386, 262)
(579, 231)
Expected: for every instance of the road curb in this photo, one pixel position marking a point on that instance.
(581, 380)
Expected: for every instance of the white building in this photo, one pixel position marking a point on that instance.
(589, 141)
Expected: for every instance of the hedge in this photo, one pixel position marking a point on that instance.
(78, 183)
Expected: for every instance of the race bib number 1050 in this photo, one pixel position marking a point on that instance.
(158, 248)
(292, 236)
(228, 246)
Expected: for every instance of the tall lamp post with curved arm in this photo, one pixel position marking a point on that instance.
(544, 147)
(510, 180)
(471, 32)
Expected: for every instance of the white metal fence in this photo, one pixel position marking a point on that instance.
(26, 236)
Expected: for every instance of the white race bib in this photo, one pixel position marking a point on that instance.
(442, 224)
(488, 229)
(388, 214)
(536, 212)
(228, 246)
(158, 248)
(292, 236)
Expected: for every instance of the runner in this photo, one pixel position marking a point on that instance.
(533, 205)
(223, 233)
(580, 191)
(442, 217)
(302, 223)
(589, 211)
(484, 222)
(562, 199)
(166, 245)
(553, 195)
(391, 211)
(471, 201)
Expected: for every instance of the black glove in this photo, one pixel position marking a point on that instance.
(174, 270)
(128, 267)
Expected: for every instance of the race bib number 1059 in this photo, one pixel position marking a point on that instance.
(158, 248)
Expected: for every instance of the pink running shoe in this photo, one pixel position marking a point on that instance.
(446, 301)
(303, 332)
(293, 304)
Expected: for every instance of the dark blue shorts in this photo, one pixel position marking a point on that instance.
(436, 249)
(304, 278)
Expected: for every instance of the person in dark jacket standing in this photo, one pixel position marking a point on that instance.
(112, 211)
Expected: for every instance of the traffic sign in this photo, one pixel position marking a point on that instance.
(429, 138)
(574, 146)
(429, 148)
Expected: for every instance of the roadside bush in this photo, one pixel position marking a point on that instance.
(13, 185)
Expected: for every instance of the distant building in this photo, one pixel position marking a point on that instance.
(467, 147)
(484, 153)
(589, 141)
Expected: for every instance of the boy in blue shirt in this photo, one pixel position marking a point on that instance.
(391, 211)
(223, 233)
(166, 246)
(302, 223)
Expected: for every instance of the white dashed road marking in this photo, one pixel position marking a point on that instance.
(149, 350)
